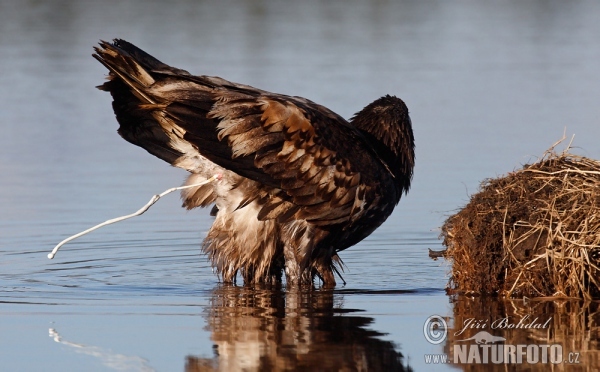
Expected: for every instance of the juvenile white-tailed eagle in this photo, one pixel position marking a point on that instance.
(299, 183)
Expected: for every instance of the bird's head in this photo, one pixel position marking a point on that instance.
(387, 126)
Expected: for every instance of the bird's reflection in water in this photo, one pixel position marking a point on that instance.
(269, 329)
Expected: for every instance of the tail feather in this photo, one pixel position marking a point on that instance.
(131, 63)
(148, 61)
(166, 110)
(128, 82)
(126, 67)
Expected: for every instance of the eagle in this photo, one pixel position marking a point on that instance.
(298, 183)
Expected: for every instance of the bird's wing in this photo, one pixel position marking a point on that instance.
(315, 165)
(322, 165)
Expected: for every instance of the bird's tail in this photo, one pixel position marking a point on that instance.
(131, 64)
(132, 75)
(168, 111)
(152, 102)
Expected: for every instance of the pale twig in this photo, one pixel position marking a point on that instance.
(550, 151)
(139, 212)
(578, 171)
(565, 151)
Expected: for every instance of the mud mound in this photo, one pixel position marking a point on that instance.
(534, 233)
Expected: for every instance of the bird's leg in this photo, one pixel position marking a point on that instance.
(247, 274)
(276, 269)
(292, 266)
(324, 270)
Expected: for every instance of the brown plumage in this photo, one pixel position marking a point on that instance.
(299, 183)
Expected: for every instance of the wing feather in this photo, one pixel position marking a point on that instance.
(318, 179)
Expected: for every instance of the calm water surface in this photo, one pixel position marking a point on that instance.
(489, 85)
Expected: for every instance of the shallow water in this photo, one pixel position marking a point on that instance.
(489, 85)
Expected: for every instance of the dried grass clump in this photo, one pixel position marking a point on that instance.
(534, 233)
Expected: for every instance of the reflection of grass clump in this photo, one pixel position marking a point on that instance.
(575, 325)
(535, 232)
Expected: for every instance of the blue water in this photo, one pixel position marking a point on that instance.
(490, 86)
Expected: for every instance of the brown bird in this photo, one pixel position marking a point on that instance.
(299, 183)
